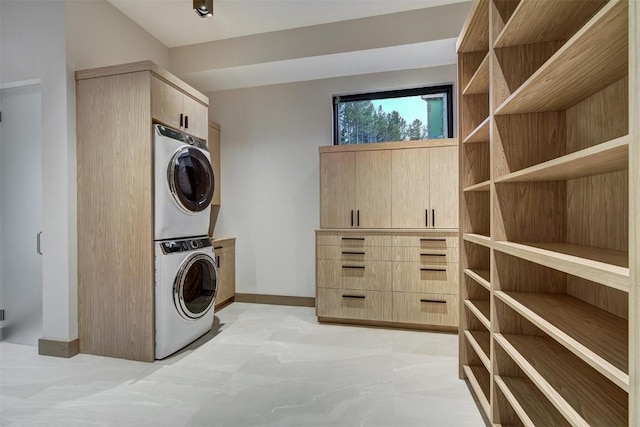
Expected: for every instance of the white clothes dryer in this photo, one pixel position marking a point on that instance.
(185, 289)
(184, 184)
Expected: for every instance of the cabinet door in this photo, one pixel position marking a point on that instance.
(226, 261)
(196, 121)
(214, 148)
(373, 189)
(166, 103)
(443, 186)
(337, 189)
(410, 188)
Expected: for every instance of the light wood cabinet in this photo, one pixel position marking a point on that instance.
(225, 253)
(175, 108)
(390, 185)
(548, 191)
(116, 108)
(214, 149)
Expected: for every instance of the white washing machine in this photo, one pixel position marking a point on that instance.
(184, 184)
(186, 286)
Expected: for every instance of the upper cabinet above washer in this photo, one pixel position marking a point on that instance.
(177, 109)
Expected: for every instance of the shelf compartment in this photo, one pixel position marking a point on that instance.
(595, 57)
(535, 21)
(479, 82)
(482, 311)
(481, 343)
(604, 266)
(597, 337)
(482, 186)
(574, 388)
(475, 163)
(474, 35)
(603, 158)
(480, 276)
(531, 406)
(476, 215)
(480, 382)
(479, 239)
(479, 134)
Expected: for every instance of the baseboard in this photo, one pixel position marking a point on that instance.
(276, 300)
(222, 304)
(389, 325)
(55, 348)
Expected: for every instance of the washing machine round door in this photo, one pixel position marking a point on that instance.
(191, 179)
(195, 287)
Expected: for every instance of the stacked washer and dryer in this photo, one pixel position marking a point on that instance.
(186, 279)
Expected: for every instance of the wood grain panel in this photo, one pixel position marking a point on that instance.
(426, 256)
(166, 103)
(520, 275)
(410, 188)
(115, 217)
(480, 381)
(226, 262)
(475, 110)
(197, 117)
(213, 142)
(480, 133)
(427, 308)
(433, 278)
(375, 276)
(443, 186)
(427, 241)
(476, 163)
(368, 253)
(479, 81)
(605, 298)
(354, 239)
(354, 304)
(476, 215)
(373, 189)
(337, 189)
(474, 35)
(469, 64)
(500, 12)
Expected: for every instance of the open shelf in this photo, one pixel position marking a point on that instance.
(592, 59)
(580, 394)
(480, 276)
(475, 30)
(481, 186)
(481, 343)
(535, 21)
(479, 82)
(479, 134)
(480, 309)
(531, 406)
(481, 384)
(607, 157)
(478, 238)
(597, 337)
(604, 266)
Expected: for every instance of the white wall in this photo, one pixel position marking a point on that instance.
(269, 172)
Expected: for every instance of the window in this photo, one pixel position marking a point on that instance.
(399, 115)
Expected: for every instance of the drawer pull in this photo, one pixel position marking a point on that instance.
(431, 269)
(433, 254)
(352, 253)
(217, 247)
(433, 240)
(359, 267)
(353, 238)
(434, 301)
(354, 296)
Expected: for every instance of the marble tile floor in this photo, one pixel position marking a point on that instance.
(262, 365)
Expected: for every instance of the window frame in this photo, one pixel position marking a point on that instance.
(399, 93)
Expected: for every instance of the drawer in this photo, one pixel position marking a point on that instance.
(224, 244)
(426, 256)
(367, 275)
(353, 239)
(354, 304)
(424, 308)
(365, 253)
(426, 241)
(417, 277)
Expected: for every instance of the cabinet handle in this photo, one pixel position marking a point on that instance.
(38, 247)
(181, 119)
(435, 301)
(426, 219)
(358, 217)
(352, 217)
(359, 267)
(433, 269)
(186, 122)
(353, 296)
(217, 247)
(433, 240)
(433, 217)
(433, 254)
(218, 261)
(352, 253)
(353, 238)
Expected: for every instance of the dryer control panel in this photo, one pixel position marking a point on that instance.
(184, 245)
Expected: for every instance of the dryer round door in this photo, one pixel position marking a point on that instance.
(191, 179)
(195, 287)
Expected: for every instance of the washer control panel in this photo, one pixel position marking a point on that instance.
(184, 245)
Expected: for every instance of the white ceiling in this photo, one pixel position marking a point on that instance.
(174, 23)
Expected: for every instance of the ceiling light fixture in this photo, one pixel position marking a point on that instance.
(203, 8)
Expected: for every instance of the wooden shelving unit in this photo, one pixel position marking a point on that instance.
(550, 252)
